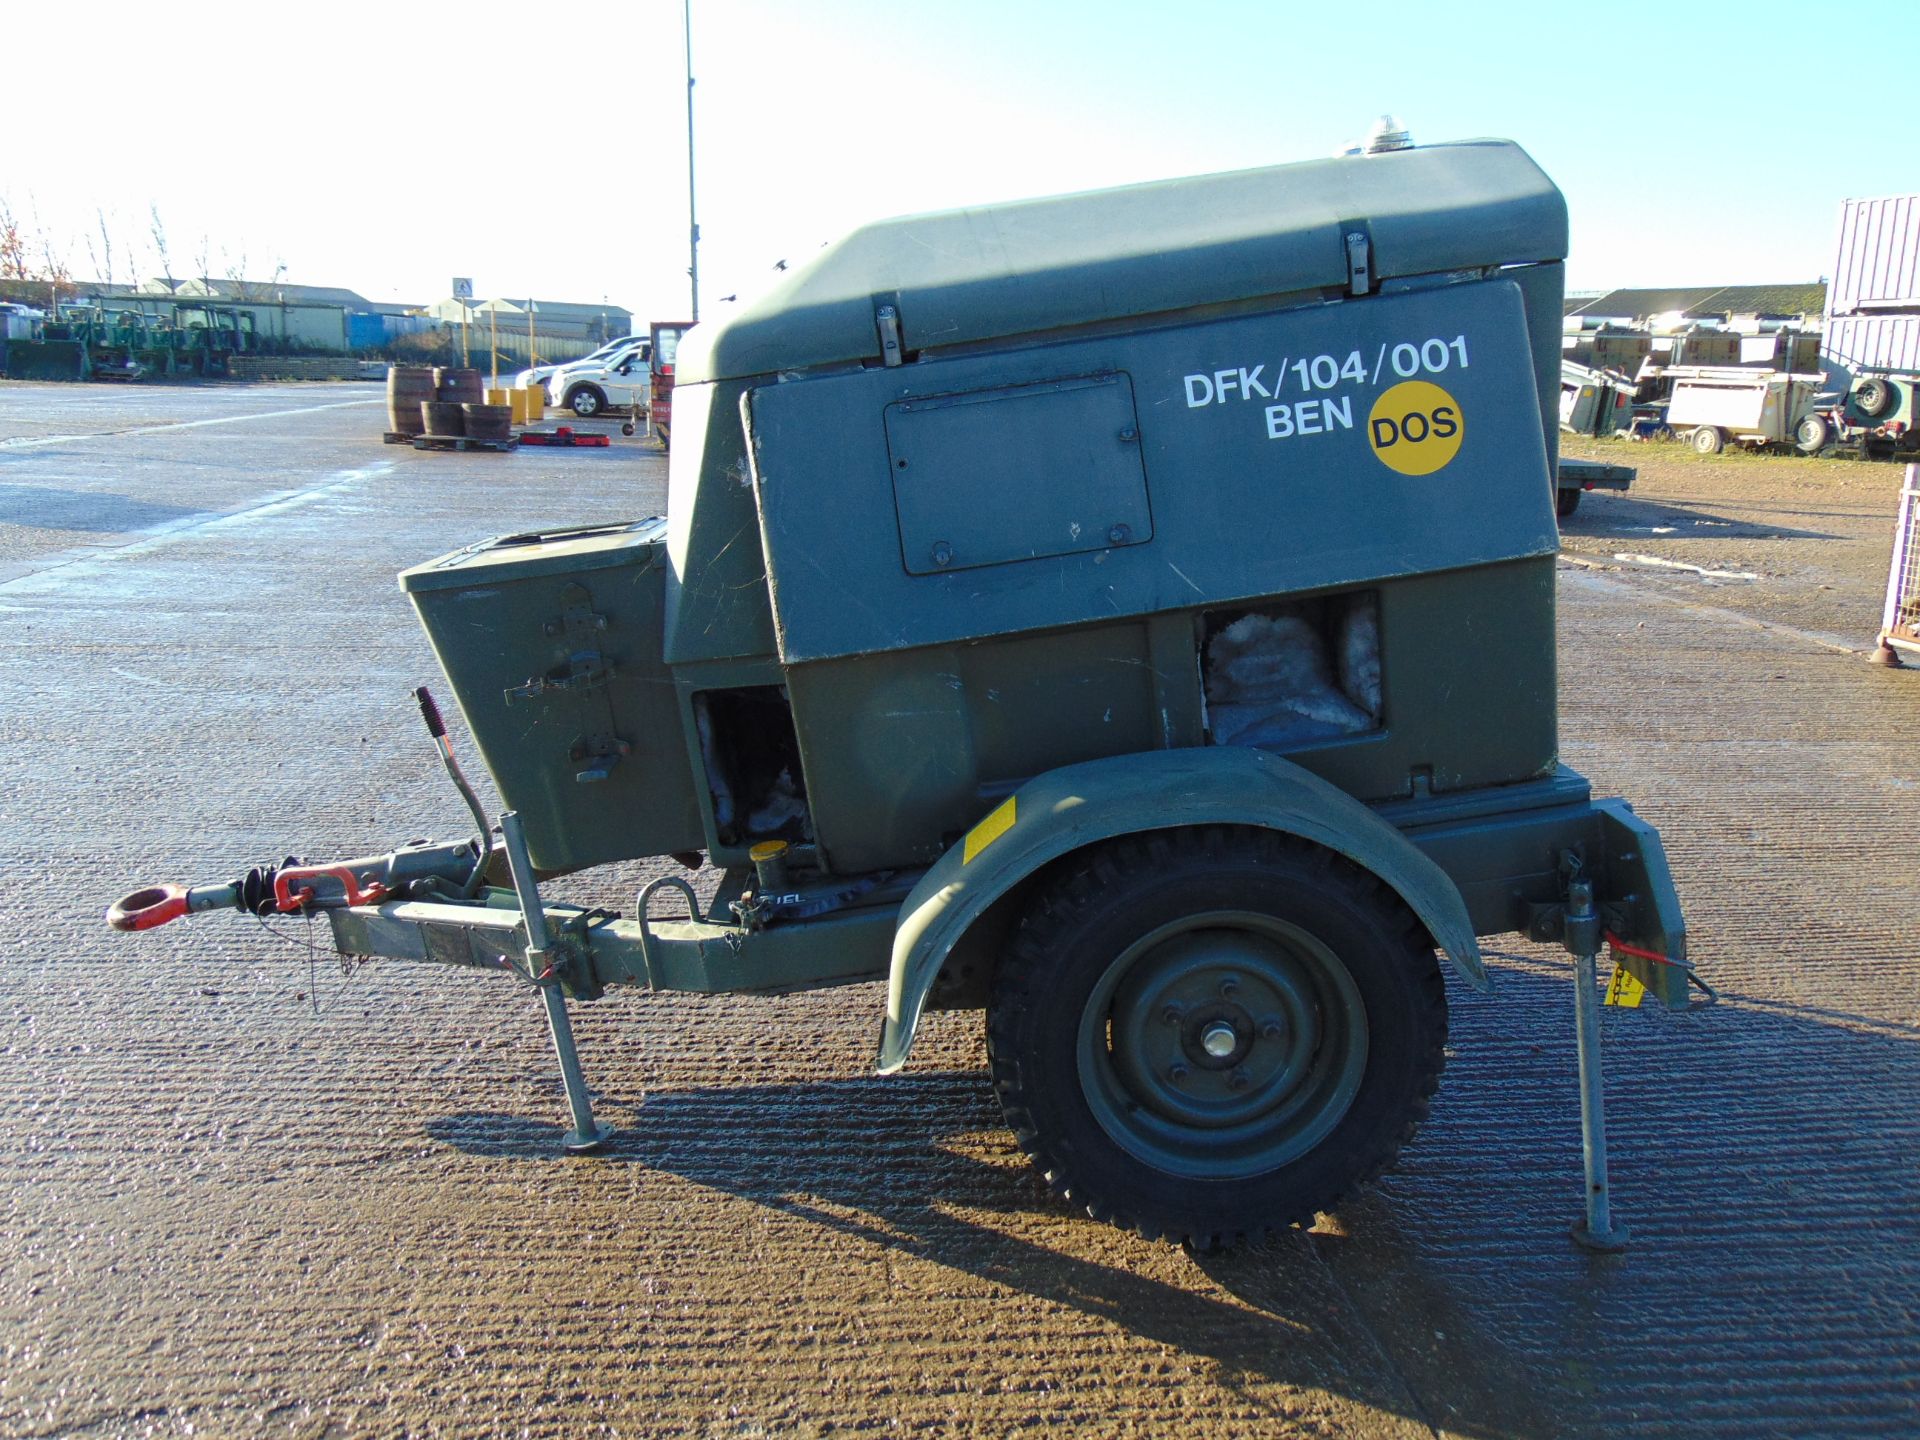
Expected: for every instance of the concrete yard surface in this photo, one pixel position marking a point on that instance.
(248, 1192)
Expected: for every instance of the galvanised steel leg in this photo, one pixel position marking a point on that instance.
(1595, 1230)
(587, 1133)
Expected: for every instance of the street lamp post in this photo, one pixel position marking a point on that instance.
(693, 223)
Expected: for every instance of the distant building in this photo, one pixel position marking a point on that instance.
(332, 317)
(1738, 307)
(555, 320)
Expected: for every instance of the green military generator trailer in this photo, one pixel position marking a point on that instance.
(1131, 613)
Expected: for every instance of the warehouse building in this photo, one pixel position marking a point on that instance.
(335, 319)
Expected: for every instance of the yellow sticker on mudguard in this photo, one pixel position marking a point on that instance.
(1624, 989)
(988, 831)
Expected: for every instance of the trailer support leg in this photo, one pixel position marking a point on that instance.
(1596, 1229)
(587, 1133)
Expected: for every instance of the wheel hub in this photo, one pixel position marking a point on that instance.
(1229, 1043)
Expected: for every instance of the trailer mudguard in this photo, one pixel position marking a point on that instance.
(1079, 805)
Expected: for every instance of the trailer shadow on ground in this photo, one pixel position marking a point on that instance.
(1448, 1294)
(1623, 517)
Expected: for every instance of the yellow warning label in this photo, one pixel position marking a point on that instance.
(1415, 427)
(988, 830)
(1624, 989)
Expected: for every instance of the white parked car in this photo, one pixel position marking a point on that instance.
(588, 387)
(540, 374)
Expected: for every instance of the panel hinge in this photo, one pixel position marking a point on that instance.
(887, 320)
(1359, 262)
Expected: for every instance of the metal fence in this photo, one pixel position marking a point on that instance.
(1900, 620)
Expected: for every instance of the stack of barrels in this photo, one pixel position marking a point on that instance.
(443, 401)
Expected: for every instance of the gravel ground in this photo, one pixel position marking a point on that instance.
(249, 1194)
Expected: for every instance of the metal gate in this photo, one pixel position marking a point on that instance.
(1900, 621)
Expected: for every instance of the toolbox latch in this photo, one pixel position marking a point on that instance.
(1359, 262)
(886, 320)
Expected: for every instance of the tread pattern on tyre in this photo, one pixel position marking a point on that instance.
(1067, 899)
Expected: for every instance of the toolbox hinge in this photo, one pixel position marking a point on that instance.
(1359, 262)
(887, 320)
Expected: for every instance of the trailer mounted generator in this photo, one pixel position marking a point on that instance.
(1130, 614)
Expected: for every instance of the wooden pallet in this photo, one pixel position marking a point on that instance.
(462, 442)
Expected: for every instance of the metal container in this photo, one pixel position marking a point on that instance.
(1877, 259)
(1864, 344)
(553, 642)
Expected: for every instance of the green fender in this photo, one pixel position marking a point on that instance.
(1078, 805)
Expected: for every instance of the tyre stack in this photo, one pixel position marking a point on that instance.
(408, 387)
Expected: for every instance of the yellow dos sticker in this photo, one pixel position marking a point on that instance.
(1415, 427)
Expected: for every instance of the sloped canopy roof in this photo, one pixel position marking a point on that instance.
(1038, 265)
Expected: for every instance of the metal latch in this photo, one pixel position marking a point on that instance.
(887, 320)
(601, 753)
(1359, 262)
(586, 670)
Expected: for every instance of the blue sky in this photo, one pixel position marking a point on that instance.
(1695, 143)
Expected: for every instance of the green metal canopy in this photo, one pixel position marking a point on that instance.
(961, 276)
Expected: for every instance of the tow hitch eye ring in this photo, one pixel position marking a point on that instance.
(145, 909)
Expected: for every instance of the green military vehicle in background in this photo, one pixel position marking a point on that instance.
(1130, 613)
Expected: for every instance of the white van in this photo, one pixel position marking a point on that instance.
(540, 374)
(588, 387)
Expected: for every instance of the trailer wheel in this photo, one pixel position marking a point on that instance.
(1565, 502)
(1813, 434)
(1709, 440)
(1873, 397)
(1209, 1034)
(586, 401)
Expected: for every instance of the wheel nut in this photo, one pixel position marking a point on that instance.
(1229, 986)
(1176, 1072)
(1239, 1080)
(1271, 1030)
(1173, 1015)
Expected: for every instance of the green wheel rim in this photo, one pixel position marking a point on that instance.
(1222, 1045)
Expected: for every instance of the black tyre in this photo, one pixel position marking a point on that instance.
(1565, 502)
(1209, 1034)
(1813, 434)
(666, 439)
(1709, 440)
(586, 401)
(1873, 397)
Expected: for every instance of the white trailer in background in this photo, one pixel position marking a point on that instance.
(1749, 407)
